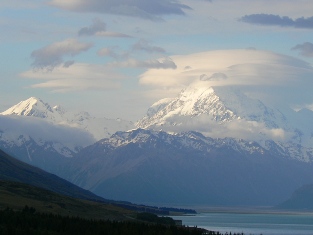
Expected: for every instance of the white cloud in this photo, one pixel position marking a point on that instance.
(51, 56)
(77, 77)
(239, 129)
(213, 77)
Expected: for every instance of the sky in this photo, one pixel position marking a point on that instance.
(115, 58)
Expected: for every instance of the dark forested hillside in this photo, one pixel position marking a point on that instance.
(12, 169)
(29, 221)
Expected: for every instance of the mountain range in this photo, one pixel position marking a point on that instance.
(207, 146)
(146, 166)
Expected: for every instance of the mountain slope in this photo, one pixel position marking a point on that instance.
(146, 166)
(301, 199)
(14, 170)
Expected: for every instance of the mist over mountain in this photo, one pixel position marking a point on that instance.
(97, 127)
(45, 136)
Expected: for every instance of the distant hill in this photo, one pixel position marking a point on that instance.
(12, 169)
(301, 199)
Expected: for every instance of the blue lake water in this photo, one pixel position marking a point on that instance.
(250, 223)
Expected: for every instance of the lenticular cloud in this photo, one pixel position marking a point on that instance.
(265, 73)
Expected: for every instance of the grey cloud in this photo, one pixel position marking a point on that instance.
(283, 21)
(112, 52)
(305, 49)
(213, 77)
(251, 48)
(143, 45)
(51, 56)
(107, 52)
(156, 64)
(151, 9)
(112, 35)
(99, 28)
(166, 63)
(68, 63)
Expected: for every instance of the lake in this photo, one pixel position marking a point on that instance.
(252, 223)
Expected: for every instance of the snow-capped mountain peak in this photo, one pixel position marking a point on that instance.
(30, 107)
(190, 103)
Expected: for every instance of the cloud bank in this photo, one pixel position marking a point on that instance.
(51, 56)
(77, 77)
(37, 128)
(151, 9)
(276, 20)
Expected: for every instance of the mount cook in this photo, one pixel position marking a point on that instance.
(209, 145)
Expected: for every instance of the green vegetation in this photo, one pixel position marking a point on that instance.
(28, 221)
